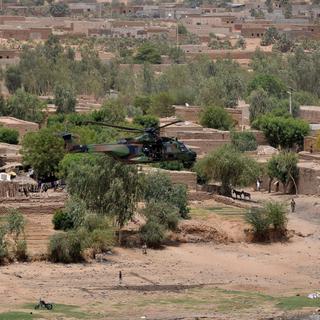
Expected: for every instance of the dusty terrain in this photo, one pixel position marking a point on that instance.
(214, 280)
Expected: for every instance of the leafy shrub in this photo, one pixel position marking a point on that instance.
(62, 220)
(166, 214)
(3, 246)
(244, 141)
(259, 221)
(161, 104)
(8, 135)
(15, 223)
(282, 131)
(216, 118)
(152, 233)
(94, 221)
(102, 240)
(146, 121)
(66, 247)
(21, 250)
(277, 214)
(159, 187)
(272, 217)
(170, 165)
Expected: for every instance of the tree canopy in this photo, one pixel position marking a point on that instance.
(43, 151)
(216, 117)
(106, 186)
(284, 168)
(228, 166)
(285, 132)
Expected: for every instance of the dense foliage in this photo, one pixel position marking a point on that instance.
(8, 135)
(244, 141)
(216, 118)
(272, 217)
(285, 132)
(43, 151)
(283, 167)
(159, 187)
(228, 166)
(106, 186)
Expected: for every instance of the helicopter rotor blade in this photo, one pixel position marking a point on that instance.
(169, 124)
(114, 126)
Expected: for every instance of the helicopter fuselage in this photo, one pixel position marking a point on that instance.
(136, 151)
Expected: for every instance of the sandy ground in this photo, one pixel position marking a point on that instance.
(176, 275)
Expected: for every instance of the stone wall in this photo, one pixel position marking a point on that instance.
(188, 178)
(205, 134)
(191, 113)
(204, 146)
(311, 114)
(310, 142)
(309, 178)
(236, 115)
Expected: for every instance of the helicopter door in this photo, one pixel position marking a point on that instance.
(171, 150)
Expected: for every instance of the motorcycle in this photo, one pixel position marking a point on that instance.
(43, 305)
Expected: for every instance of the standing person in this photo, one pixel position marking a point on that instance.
(258, 184)
(144, 248)
(120, 277)
(293, 205)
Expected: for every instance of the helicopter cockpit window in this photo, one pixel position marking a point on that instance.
(183, 148)
(171, 147)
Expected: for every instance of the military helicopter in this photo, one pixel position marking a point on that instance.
(149, 147)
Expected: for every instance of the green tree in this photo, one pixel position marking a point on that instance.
(244, 141)
(230, 167)
(106, 186)
(148, 78)
(59, 9)
(142, 102)
(43, 151)
(284, 44)
(148, 53)
(159, 187)
(152, 233)
(270, 36)
(216, 117)
(13, 79)
(165, 213)
(277, 213)
(146, 121)
(282, 131)
(8, 135)
(15, 224)
(260, 104)
(112, 111)
(283, 167)
(287, 10)
(269, 4)
(182, 29)
(269, 83)
(162, 104)
(25, 106)
(64, 99)
(177, 55)
(241, 43)
(52, 48)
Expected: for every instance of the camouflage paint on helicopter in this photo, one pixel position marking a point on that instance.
(147, 148)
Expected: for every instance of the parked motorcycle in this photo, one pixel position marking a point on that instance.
(43, 305)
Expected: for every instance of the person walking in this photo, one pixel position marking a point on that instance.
(293, 205)
(120, 277)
